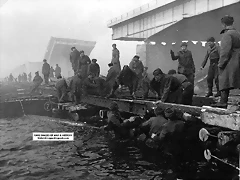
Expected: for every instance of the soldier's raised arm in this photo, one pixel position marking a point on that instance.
(173, 56)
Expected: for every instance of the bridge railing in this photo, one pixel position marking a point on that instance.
(140, 10)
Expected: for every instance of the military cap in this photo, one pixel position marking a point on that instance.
(73, 48)
(211, 39)
(157, 71)
(136, 56)
(172, 71)
(228, 20)
(37, 72)
(158, 110)
(169, 112)
(44, 60)
(113, 106)
(94, 60)
(81, 51)
(183, 44)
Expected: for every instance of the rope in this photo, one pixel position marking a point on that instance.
(22, 108)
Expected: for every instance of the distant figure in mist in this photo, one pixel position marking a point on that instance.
(30, 77)
(19, 78)
(51, 72)
(115, 58)
(74, 56)
(46, 71)
(10, 79)
(57, 71)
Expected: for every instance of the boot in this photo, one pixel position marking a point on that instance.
(218, 92)
(209, 92)
(223, 100)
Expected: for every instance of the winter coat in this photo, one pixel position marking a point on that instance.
(229, 62)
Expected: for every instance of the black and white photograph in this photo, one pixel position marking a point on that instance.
(119, 89)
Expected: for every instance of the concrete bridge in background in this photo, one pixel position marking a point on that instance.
(163, 26)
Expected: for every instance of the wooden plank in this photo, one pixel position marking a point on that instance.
(139, 107)
(231, 121)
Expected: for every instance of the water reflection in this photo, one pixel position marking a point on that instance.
(93, 155)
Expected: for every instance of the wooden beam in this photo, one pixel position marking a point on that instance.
(231, 121)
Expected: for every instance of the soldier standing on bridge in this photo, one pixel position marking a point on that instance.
(57, 71)
(94, 68)
(74, 56)
(115, 58)
(46, 71)
(186, 64)
(30, 77)
(213, 55)
(229, 62)
(83, 64)
(51, 72)
(75, 87)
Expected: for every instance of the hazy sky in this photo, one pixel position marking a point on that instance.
(27, 25)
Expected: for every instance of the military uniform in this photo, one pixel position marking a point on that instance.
(229, 62)
(57, 71)
(155, 125)
(172, 136)
(37, 81)
(61, 86)
(137, 67)
(91, 86)
(75, 87)
(127, 78)
(213, 56)
(46, 72)
(51, 75)
(115, 60)
(111, 76)
(94, 68)
(169, 89)
(30, 77)
(186, 64)
(83, 64)
(74, 56)
(187, 89)
(145, 84)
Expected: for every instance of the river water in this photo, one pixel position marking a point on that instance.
(92, 155)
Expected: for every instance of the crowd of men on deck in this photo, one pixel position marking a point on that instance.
(174, 87)
(167, 130)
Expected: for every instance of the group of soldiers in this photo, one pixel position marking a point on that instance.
(174, 87)
(47, 72)
(21, 78)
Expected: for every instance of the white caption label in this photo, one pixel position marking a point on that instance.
(53, 136)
